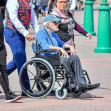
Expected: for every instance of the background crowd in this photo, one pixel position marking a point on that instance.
(46, 6)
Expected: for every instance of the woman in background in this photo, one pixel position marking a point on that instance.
(67, 23)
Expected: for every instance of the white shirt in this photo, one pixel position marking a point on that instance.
(12, 7)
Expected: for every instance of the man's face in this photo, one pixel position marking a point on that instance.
(53, 26)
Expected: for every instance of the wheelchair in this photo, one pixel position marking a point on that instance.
(43, 72)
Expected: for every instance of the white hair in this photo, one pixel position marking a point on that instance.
(45, 24)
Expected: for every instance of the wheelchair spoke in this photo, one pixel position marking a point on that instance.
(28, 80)
(42, 89)
(30, 72)
(47, 80)
(33, 85)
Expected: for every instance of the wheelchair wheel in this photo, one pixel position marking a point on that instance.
(40, 85)
(76, 93)
(61, 94)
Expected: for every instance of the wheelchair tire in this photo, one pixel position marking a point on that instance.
(76, 93)
(59, 95)
(35, 77)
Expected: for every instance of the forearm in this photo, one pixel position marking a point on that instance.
(56, 48)
(80, 29)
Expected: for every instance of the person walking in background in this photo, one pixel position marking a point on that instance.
(4, 82)
(67, 23)
(20, 14)
(80, 4)
(43, 5)
(72, 6)
(50, 5)
(36, 5)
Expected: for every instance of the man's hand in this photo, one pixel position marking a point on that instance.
(72, 50)
(64, 53)
(89, 35)
(29, 37)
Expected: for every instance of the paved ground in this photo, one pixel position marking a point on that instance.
(97, 65)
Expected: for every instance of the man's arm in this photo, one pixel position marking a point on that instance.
(64, 53)
(42, 41)
(12, 7)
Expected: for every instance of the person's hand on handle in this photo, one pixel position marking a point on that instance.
(89, 35)
(29, 37)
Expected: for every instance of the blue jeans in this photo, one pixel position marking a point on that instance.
(16, 41)
(44, 8)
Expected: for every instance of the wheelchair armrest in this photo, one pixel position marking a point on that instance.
(45, 51)
(48, 51)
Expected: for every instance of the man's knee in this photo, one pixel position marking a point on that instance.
(74, 57)
(64, 60)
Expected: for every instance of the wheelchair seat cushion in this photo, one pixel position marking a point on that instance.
(52, 59)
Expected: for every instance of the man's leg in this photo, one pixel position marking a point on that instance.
(77, 69)
(11, 66)
(80, 78)
(71, 80)
(66, 64)
(3, 64)
(10, 97)
(17, 44)
(3, 83)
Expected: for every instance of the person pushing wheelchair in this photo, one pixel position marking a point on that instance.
(70, 61)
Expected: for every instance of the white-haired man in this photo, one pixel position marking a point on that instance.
(71, 62)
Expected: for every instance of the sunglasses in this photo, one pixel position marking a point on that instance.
(62, 1)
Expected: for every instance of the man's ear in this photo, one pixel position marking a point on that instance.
(48, 25)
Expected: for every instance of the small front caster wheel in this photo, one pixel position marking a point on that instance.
(61, 94)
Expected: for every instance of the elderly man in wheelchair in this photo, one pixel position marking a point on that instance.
(53, 63)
